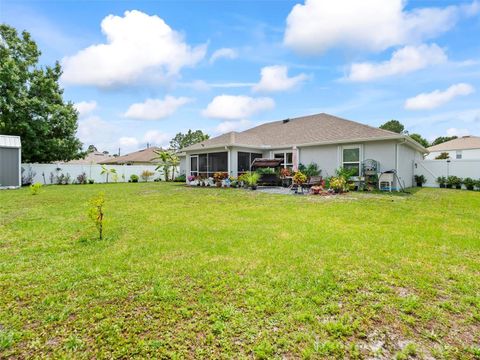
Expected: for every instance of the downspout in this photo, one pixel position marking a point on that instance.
(229, 160)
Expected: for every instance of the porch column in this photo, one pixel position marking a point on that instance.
(229, 161)
(295, 158)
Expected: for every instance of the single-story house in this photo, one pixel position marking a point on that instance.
(140, 157)
(465, 147)
(93, 157)
(329, 141)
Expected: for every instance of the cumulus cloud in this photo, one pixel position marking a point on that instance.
(225, 53)
(457, 132)
(156, 109)
(232, 107)
(434, 99)
(136, 45)
(85, 107)
(376, 25)
(275, 78)
(404, 60)
(238, 125)
(156, 137)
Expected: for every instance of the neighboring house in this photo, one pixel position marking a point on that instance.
(141, 157)
(465, 147)
(329, 141)
(93, 157)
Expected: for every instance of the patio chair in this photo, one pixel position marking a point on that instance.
(314, 180)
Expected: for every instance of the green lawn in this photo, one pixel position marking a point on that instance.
(223, 273)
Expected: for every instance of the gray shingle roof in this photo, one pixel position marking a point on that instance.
(141, 156)
(463, 143)
(298, 131)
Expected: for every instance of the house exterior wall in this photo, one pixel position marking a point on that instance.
(470, 154)
(183, 165)
(326, 157)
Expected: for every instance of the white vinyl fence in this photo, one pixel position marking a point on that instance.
(432, 169)
(47, 173)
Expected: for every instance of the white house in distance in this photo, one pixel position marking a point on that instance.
(465, 147)
(329, 141)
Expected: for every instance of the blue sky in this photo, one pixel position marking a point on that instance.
(142, 71)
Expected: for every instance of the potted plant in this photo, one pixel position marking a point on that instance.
(441, 180)
(458, 183)
(316, 189)
(450, 182)
(469, 183)
(218, 177)
(420, 180)
(477, 184)
(338, 184)
(251, 180)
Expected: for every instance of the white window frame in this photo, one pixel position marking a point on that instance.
(360, 156)
(284, 152)
(190, 165)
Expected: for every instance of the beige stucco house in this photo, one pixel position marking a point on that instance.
(329, 141)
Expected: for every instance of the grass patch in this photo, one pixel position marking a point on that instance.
(212, 273)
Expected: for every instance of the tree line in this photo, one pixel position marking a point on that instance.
(397, 126)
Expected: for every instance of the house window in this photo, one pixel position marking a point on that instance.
(351, 159)
(208, 164)
(286, 156)
(244, 161)
(459, 155)
(194, 165)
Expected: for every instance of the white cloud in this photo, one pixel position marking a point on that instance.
(128, 141)
(85, 107)
(228, 126)
(375, 25)
(225, 53)
(434, 99)
(156, 109)
(457, 132)
(156, 137)
(137, 45)
(404, 60)
(275, 78)
(232, 107)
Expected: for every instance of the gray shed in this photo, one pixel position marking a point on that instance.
(10, 161)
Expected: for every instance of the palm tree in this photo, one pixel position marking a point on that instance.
(107, 171)
(164, 161)
(174, 162)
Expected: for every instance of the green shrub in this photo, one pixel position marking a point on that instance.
(35, 188)
(265, 171)
(82, 178)
(251, 178)
(133, 178)
(309, 170)
(441, 180)
(420, 179)
(91, 181)
(181, 178)
(299, 178)
(469, 183)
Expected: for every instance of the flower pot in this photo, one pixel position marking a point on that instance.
(218, 184)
